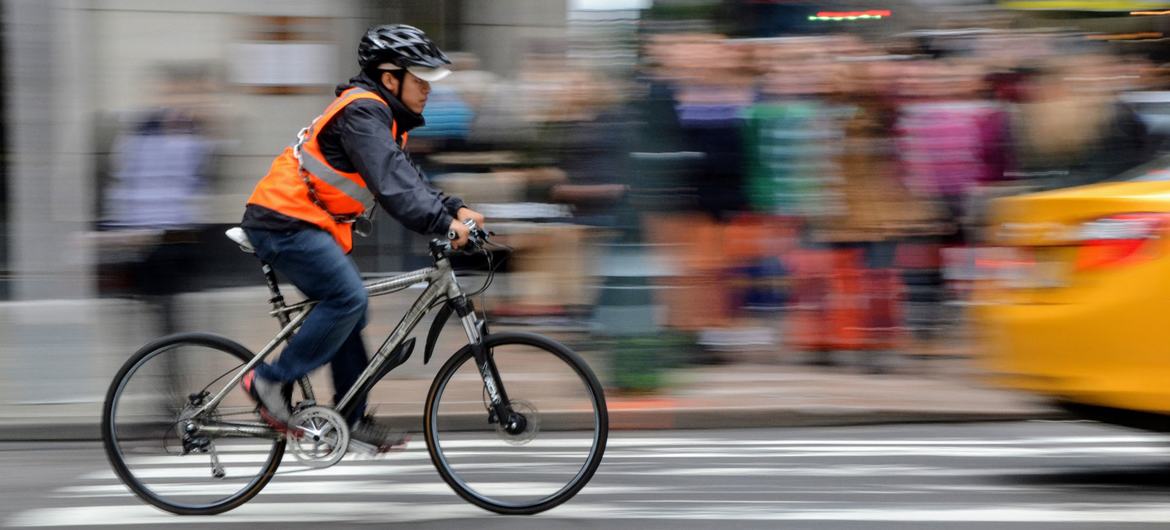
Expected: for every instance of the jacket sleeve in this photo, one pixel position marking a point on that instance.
(452, 203)
(396, 184)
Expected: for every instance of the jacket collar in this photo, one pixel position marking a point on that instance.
(404, 117)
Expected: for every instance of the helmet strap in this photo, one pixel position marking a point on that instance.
(375, 74)
(400, 75)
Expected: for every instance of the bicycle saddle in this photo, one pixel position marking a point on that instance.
(238, 235)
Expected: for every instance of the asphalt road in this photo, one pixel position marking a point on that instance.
(985, 476)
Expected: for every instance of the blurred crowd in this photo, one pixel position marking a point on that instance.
(826, 194)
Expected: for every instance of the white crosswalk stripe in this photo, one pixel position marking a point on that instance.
(655, 477)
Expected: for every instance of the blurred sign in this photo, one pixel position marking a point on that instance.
(283, 64)
(609, 5)
(1085, 5)
(525, 210)
(838, 16)
(285, 55)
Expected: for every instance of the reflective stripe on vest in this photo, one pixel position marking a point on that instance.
(331, 177)
(323, 171)
(338, 198)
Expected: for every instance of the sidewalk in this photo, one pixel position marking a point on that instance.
(728, 396)
(82, 344)
(774, 395)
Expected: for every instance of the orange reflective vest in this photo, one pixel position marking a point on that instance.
(301, 184)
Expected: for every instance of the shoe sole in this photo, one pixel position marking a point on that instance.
(272, 421)
(277, 425)
(378, 450)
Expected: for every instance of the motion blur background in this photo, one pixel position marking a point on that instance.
(689, 184)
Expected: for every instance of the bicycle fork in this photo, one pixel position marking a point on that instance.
(500, 411)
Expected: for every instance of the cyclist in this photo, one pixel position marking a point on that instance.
(302, 214)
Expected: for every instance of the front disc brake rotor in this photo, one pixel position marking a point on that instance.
(531, 425)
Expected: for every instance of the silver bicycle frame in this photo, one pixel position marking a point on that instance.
(441, 285)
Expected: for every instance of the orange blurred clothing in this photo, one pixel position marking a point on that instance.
(701, 293)
(842, 305)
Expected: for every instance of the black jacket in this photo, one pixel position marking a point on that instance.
(358, 140)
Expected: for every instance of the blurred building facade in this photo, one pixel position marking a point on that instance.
(72, 64)
(76, 71)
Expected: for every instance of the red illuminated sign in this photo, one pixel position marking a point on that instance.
(855, 14)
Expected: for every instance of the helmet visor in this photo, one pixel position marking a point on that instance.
(429, 75)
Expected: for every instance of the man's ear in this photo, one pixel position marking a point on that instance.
(390, 82)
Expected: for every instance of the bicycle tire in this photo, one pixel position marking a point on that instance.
(600, 432)
(110, 438)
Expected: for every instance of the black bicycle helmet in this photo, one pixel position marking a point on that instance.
(405, 47)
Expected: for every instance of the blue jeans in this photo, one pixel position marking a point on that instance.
(332, 332)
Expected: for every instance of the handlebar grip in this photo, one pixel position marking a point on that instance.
(476, 238)
(475, 232)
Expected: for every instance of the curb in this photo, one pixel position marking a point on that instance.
(647, 419)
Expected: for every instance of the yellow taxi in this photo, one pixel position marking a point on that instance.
(1078, 305)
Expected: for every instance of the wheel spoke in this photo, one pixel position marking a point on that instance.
(167, 465)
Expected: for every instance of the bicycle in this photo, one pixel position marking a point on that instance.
(479, 417)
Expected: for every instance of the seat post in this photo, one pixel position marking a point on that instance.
(277, 299)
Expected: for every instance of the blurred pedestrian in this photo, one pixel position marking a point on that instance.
(153, 199)
(877, 211)
(1070, 128)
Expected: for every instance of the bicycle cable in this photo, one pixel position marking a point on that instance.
(225, 374)
(492, 266)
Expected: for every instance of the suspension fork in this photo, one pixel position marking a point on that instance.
(485, 363)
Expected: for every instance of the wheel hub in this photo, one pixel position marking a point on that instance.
(523, 424)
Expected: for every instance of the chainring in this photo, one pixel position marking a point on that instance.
(321, 439)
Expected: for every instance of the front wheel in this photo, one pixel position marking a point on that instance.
(544, 452)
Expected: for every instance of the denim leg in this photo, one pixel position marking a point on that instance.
(315, 264)
(347, 366)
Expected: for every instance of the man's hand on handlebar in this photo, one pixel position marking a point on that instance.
(458, 233)
(466, 213)
(460, 236)
(462, 229)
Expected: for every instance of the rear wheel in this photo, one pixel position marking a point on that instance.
(540, 456)
(149, 403)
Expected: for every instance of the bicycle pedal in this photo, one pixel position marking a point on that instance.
(363, 449)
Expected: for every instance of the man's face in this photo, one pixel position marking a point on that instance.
(414, 90)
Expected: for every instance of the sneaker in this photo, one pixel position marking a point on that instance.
(274, 407)
(379, 435)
